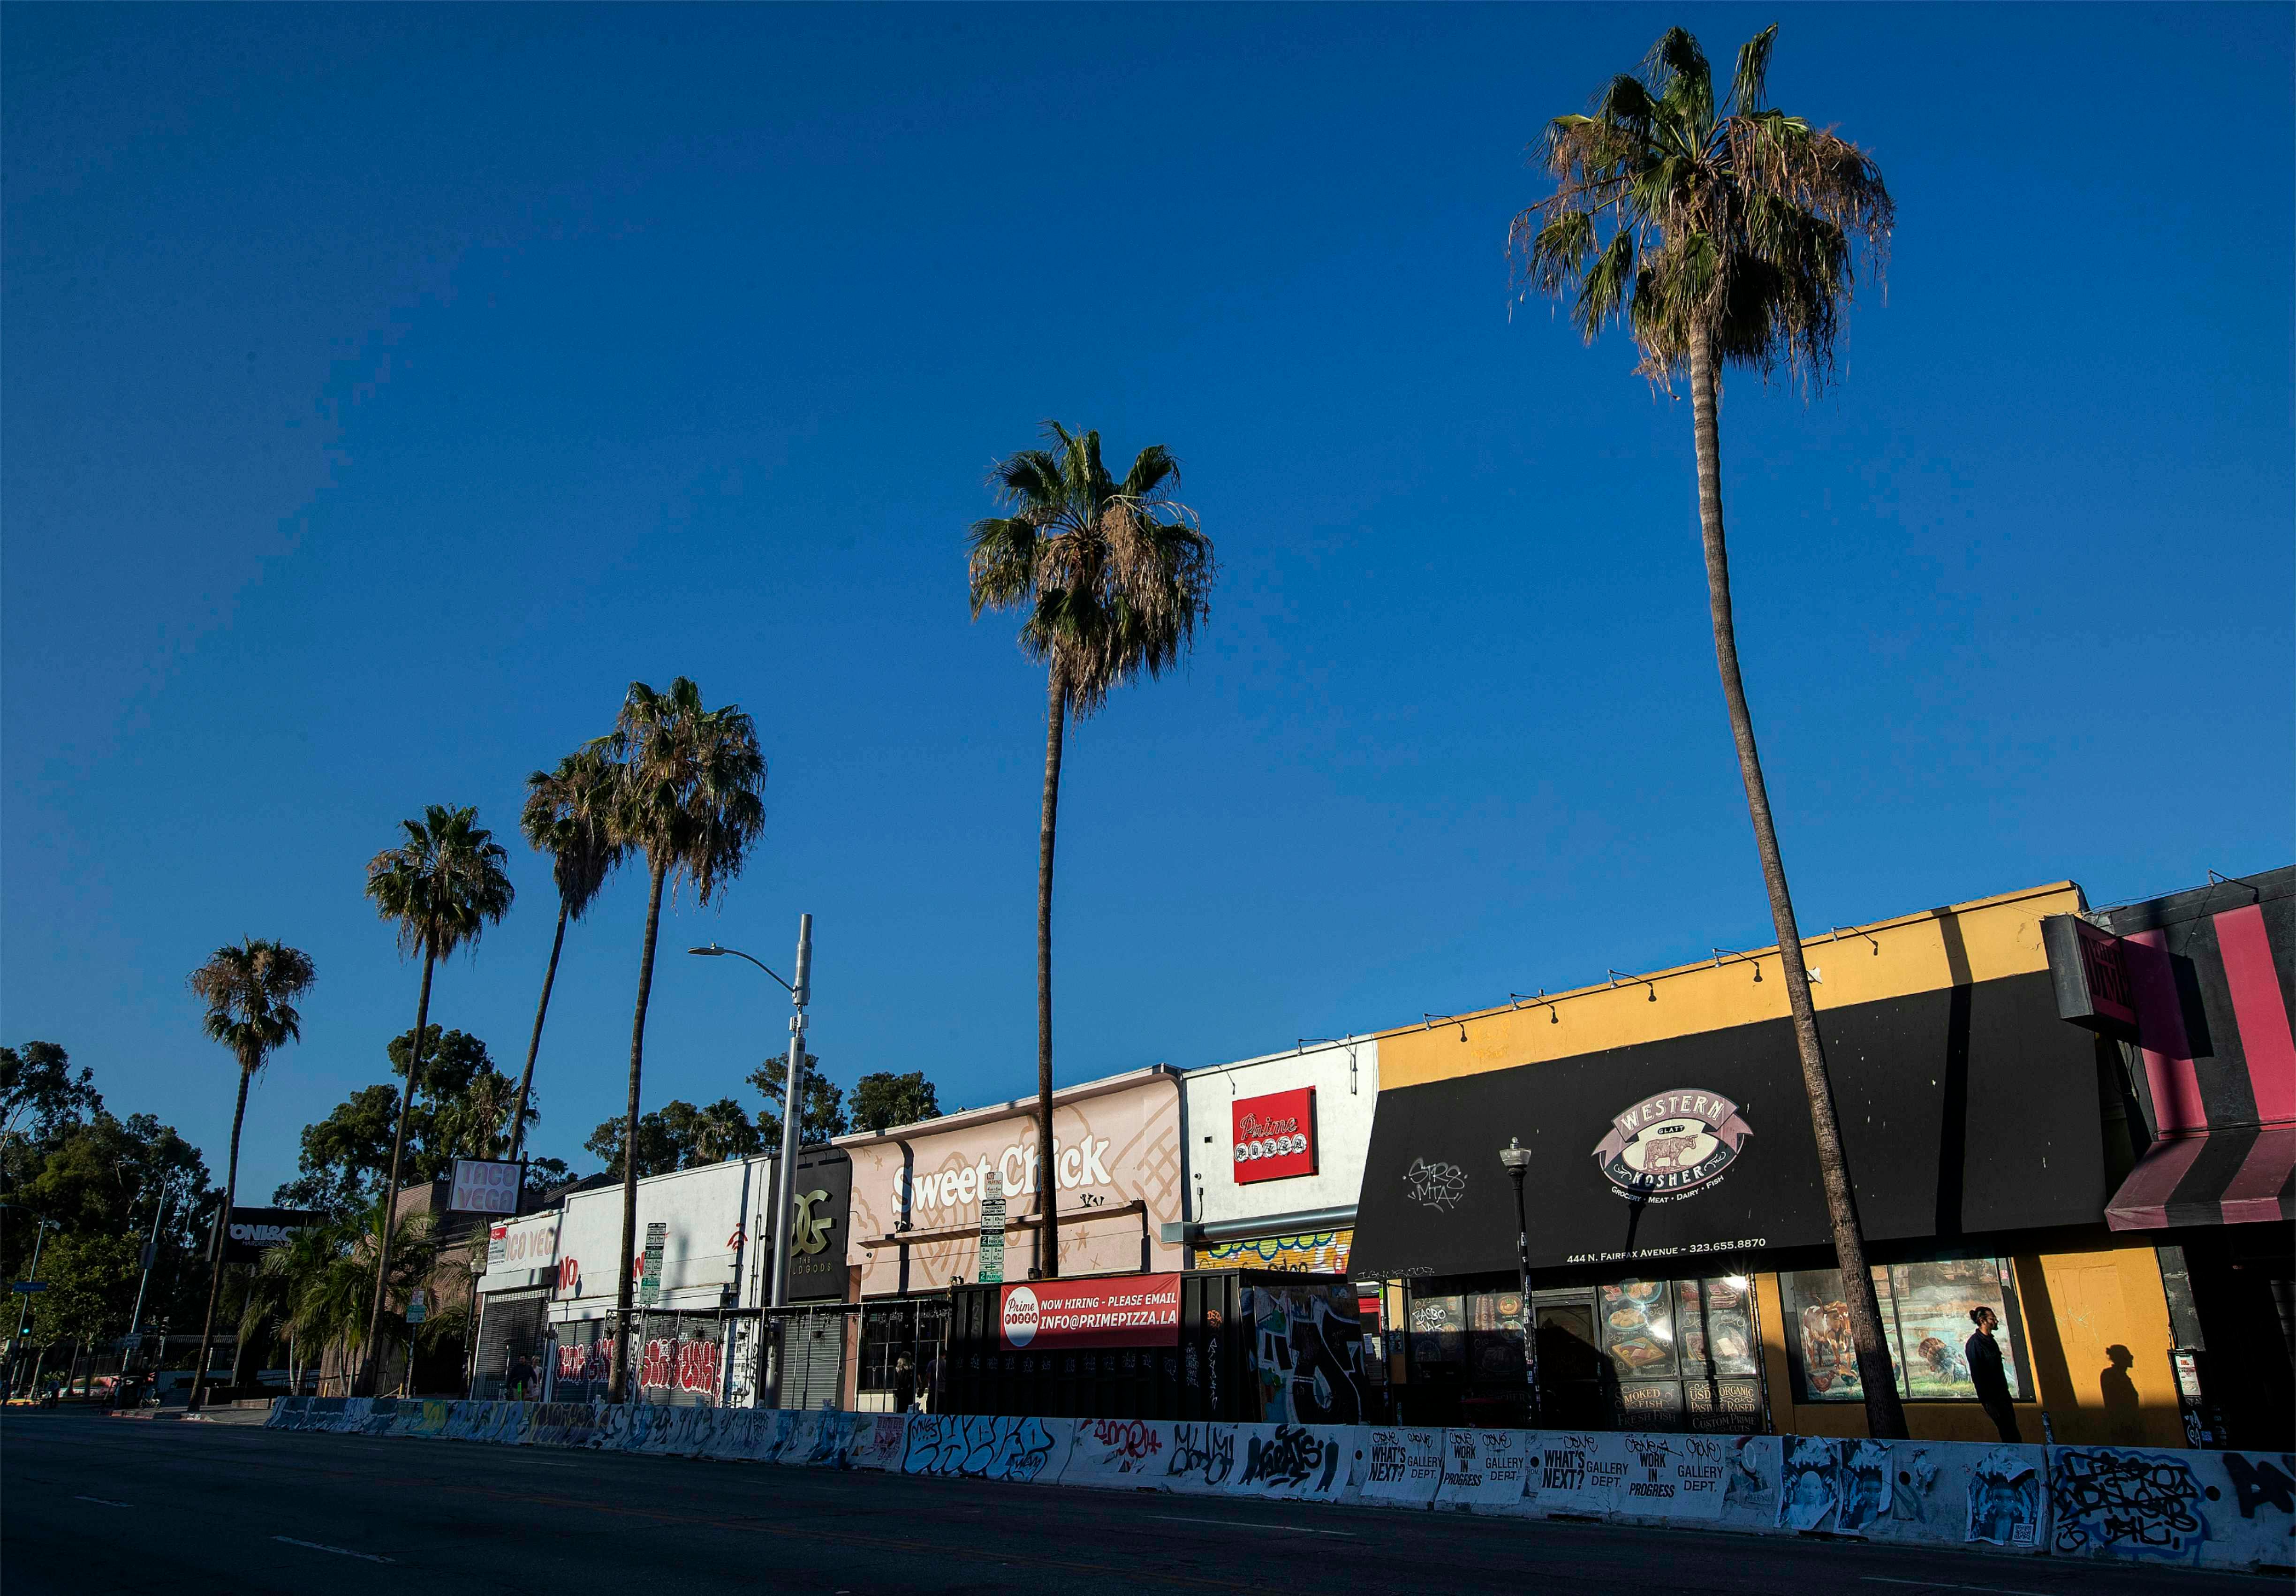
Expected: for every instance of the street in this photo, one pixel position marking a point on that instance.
(103, 1505)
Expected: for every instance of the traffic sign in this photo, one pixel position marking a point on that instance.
(414, 1308)
(26, 1288)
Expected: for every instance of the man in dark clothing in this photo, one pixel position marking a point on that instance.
(520, 1378)
(1986, 1374)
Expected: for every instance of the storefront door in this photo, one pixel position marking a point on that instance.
(1571, 1394)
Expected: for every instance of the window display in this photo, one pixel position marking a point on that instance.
(1638, 1329)
(1925, 1323)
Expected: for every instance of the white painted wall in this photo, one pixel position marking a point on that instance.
(1344, 1098)
(705, 1209)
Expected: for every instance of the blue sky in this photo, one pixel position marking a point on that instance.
(385, 390)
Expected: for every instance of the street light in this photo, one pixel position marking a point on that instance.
(24, 1309)
(1516, 1159)
(792, 1098)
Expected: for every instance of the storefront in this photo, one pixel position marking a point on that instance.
(917, 1198)
(701, 1272)
(2195, 991)
(514, 1304)
(1680, 1259)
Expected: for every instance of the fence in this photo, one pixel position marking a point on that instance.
(2212, 1509)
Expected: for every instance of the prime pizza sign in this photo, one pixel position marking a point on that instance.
(1274, 1135)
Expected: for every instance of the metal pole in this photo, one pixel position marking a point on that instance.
(150, 1252)
(1517, 1162)
(792, 1107)
(24, 1308)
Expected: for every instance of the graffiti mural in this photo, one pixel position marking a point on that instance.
(1291, 1458)
(2102, 1499)
(977, 1446)
(1308, 1348)
(1203, 1454)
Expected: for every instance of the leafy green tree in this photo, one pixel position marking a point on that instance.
(883, 1100)
(1111, 579)
(249, 991)
(569, 814)
(38, 1092)
(1720, 231)
(659, 1147)
(825, 1104)
(442, 886)
(688, 795)
(345, 1159)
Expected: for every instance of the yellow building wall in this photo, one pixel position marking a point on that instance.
(2097, 1346)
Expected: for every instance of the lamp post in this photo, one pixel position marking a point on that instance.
(800, 992)
(151, 1253)
(1516, 1159)
(23, 1309)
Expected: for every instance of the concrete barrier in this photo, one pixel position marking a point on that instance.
(1809, 1483)
(1295, 1462)
(1577, 1473)
(982, 1447)
(819, 1440)
(287, 1412)
(1750, 1496)
(2212, 1509)
(1119, 1454)
(1671, 1479)
(1484, 1470)
(1203, 1458)
(1403, 1465)
(879, 1439)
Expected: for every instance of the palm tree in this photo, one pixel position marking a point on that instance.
(1734, 231)
(688, 797)
(568, 815)
(1112, 579)
(251, 991)
(443, 886)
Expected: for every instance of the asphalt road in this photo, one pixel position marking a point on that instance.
(95, 1505)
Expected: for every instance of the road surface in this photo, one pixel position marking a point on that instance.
(96, 1505)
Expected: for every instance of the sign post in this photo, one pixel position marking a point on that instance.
(649, 1271)
(992, 1235)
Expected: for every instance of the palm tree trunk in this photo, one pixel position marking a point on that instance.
(370, 1378)
(534, 1043)
(1048, 1234)
(1885, 1416)
(222, 1240)
(618, 1381)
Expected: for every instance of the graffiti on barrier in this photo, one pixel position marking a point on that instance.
(1291, 1456)
(977, 1446)
(2256, 1483)
(1204, 1450)
(1130, 1442)
(2005, 1499)
(2129, 1503)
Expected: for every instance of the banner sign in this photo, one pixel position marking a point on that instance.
(1125, 1310)
(1274, 1135)
(483, 1186)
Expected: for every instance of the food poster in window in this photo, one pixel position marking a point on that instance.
(1713, 1328)
(1818, 1320)
(1933, 1303)
(1495, 1335)
(1438, 1333)
(1638, 1329)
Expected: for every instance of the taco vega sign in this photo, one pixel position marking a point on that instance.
(1671, 1143)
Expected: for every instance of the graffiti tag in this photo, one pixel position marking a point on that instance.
(1437, 1185)
(1289, 1457)
(2124, 1502)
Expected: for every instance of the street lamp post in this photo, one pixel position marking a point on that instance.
(800, 992)
(1516, 1159)
(151, 1253)
(24, 1308)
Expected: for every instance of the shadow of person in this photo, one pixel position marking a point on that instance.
(2124, 1419)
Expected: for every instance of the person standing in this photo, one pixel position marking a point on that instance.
(1988, 1374)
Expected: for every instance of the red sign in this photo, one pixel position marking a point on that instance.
(1124, 1310)
(1275, 1135)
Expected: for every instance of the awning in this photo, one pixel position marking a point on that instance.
(2235, 1174)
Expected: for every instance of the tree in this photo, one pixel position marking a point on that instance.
(345, 1161)
(687, 795)
(677, 1135)
(249, 991)
(442, 886)
(1734, 231)
(38, 1092)
(825, 1104)
(569, 814)
(1112, 579)
(884, 1100)
(346, 1157)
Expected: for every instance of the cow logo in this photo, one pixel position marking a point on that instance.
(1671, 1143)
(1020, 1317)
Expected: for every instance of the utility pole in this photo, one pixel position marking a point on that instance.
(23, 1309)
(151, 1254)
(785, 1181)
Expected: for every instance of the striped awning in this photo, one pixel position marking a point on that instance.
(2235, 1175)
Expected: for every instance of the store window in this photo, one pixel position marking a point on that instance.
(1683, 1353)
(1925, 1321)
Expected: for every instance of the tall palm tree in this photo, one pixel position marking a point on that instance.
(442, 886)
(688, 797)
(568, 815)
(251, 990)
(1724, 233)
(1111, 579)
